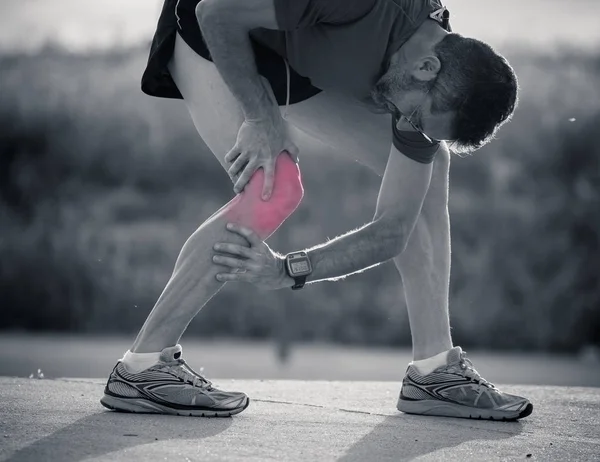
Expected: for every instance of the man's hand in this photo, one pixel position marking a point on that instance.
(225, 26)
(256, 264)
(258, 145)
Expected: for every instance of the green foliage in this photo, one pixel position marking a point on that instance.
(100, 186)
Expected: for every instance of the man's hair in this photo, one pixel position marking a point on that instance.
(478, 85)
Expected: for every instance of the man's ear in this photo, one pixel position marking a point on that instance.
(427, 68)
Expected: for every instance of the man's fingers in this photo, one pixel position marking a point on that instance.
(250, 235)
(238, 166)
(235, 249)
(224, 277)
(247, 173)
(232, 154)
(231, 262)
(269, 170)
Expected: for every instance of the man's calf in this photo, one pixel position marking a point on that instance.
(264, 217)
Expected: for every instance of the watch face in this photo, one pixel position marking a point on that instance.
(299, 266)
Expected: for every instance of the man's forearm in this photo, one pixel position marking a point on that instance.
(355, 251)
(231, 51)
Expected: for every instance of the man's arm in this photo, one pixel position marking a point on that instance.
(401, 196)
(225, 25)
(403, 189)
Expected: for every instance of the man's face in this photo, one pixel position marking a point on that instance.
(399, 90)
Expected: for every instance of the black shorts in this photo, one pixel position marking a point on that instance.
(178, 16)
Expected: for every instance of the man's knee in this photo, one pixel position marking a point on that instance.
(264, 217)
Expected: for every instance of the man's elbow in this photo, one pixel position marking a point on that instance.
(393, 233)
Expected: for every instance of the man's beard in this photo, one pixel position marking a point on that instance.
(391, 83)
(376, 101)
(394, 82)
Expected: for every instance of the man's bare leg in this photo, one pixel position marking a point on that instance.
(217, 117)
(152, 376)
(425, 268)
(441, 381)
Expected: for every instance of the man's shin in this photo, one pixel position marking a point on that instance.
(425, 270)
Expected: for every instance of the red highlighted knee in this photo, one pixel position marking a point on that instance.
(264, 217)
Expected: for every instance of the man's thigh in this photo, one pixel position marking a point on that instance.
(215, 112)
(341, 127)
(325, 124)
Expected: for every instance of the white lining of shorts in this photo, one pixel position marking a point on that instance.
(176, 15)
(287, 98)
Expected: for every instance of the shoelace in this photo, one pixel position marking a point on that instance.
(469, 371)
(178, 368)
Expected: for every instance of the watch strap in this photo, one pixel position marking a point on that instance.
(299, 282)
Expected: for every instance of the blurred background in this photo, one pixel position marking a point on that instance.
(100, 185)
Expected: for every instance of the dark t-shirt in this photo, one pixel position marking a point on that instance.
(345, 46)
(332, 45)
(342, 45)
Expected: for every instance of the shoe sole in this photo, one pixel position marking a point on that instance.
(141, 406)
(442, 409)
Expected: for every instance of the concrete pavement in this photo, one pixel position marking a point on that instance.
(84, 355)
(62, 420)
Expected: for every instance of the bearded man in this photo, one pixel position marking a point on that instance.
(383, 82)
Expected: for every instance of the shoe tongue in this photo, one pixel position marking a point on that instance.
(171, 353)
(453, 355)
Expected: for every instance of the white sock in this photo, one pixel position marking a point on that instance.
(138, 362)
(428, 365)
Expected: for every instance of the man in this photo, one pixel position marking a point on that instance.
(265, 80)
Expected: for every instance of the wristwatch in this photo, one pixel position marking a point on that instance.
(298, 267)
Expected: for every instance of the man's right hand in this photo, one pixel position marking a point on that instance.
(225, 25)
(258, 144)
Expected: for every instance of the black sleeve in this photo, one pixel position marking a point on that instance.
(414, 145)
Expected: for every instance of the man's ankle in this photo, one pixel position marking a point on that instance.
(138, 362)
(428, 351)
(149, 346)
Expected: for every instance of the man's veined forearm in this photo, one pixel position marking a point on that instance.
(231, 51)
(355, 251)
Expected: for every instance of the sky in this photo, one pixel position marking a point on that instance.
(79, 25)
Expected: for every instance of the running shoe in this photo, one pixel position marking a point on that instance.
(457, 390)
(169, 387)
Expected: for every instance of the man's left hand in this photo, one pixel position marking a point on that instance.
(255, 263)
